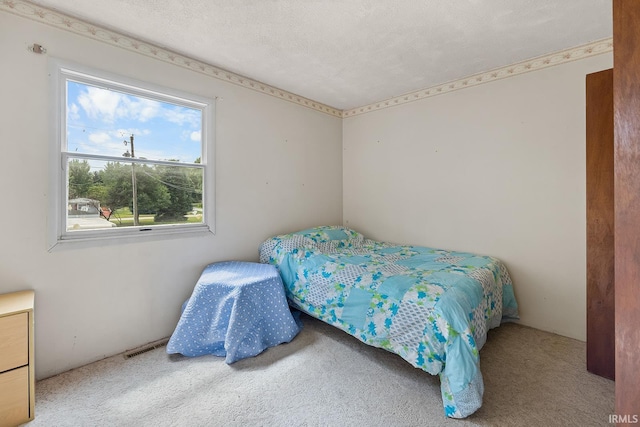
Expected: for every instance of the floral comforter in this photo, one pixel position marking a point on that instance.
(430, 306)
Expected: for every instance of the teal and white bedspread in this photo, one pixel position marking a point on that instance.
(432, 307)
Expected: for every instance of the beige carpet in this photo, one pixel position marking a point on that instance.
(326, 378)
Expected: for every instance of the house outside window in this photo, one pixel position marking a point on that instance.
(130, 158)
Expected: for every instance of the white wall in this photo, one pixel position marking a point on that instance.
(498, 169)
(278, 168)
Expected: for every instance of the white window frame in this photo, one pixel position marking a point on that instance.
(60, 72)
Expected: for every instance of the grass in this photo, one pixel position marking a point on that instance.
(124, 218)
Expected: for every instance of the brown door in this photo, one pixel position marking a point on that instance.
(626, 91)
(600, 225)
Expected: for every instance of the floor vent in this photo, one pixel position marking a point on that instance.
(145, 348)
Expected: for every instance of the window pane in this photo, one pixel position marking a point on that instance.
(93, 189)
(101, 195)
(103, 121)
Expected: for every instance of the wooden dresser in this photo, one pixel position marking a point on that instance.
(17, 374)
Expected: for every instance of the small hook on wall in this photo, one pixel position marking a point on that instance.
(36, 48)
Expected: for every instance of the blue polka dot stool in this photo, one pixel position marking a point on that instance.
(237, 309)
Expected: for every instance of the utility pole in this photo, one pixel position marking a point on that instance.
(134, 187)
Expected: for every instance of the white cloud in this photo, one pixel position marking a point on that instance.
(100, 103)
(107, 106)
(99, 137)
(196, 136)
(181, 116)
(105, 143)
(72, 112)
(140, 108)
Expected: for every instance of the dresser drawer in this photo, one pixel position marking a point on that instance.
(14, 341)
(14, 397)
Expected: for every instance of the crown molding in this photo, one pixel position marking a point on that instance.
(68, 23)
(64, 22)
(539, 63)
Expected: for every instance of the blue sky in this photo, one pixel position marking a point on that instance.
(100, 120)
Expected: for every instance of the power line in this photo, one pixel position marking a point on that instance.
(141, 154)
(189, 190)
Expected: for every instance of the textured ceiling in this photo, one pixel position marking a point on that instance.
(350, 53)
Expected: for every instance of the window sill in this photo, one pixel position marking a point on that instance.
(87, 239)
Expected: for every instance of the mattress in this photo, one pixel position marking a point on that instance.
(432, 307)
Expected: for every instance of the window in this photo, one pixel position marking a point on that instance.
(131, 158)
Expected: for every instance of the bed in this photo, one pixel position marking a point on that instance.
(432, 307)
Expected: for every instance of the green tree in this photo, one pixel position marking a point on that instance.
(180, 188)
(98, 192)
(196, 178)
(168, 192)
(80, 179)
(153, 196)
(116, 178)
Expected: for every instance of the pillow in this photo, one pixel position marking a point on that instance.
(325, 239)
(328, 233)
